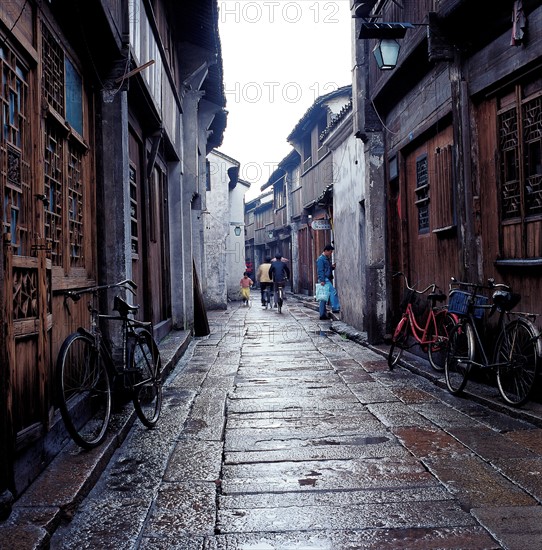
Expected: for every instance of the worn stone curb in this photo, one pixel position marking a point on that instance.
(56, 494)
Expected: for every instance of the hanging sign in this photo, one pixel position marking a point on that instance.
(320, 224)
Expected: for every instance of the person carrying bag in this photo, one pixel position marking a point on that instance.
(325, 268)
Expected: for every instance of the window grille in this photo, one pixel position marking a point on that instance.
(532, 132)
(53, 71)
(54, 176)
(15, 152)
(519, 125)
(134, 211)
(510, 184)
(75, 206)
(422, 194)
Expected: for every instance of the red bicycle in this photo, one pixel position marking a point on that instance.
(431, 334)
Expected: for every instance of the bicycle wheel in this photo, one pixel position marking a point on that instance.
(147, 364)
(399, 342)
(459, 356)
(279, 301)
(517, 347)
(83, 390)
(437, 349)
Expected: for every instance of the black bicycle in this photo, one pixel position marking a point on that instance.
(89, 365)
(279, 295)
(516, 350)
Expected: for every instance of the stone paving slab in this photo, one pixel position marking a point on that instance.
(397, 414)
(490, 445)
(120, 523)
(531, 439)
(473, 538)
(182, 509)
(194, 460)
(525, 472)
(475, 483)
(283, 385)
(249, 405)
(321, 518)
(342, 448)
(249, 439)
(318, 411)
(431, 443)
(335, 498)
(413, 395)
(515, 527)
(332, 392)
(389, 472)
(372, 392)
(343, 423)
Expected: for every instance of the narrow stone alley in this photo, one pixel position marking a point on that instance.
(278, 434)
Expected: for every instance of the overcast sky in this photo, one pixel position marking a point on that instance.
(279, 56)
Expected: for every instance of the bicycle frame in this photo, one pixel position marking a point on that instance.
(474, 323)
(419, 333)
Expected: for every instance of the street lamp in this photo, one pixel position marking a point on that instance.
(237, 230)
(386, 53)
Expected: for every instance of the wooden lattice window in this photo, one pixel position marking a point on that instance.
(509, 146)
(519, 125)
(134, 208)
(422, 194)
(25, 293)
(54, 176)
(75, 206)
(532, 155)
(64, 174)
(53, 71)
(15, 152)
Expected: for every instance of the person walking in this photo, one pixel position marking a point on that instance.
(262, 276)
(325, 268)
(279, 274)
(245, 283)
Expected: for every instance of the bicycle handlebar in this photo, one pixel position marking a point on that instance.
(76, 293)
(431, 287)
(491, 284)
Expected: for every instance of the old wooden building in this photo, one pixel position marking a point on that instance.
(455, 128)
(108, 110)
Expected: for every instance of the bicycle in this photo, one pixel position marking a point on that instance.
(279, 295)
(88, 366)
(431, 336)
(516, 349)
(268, 297)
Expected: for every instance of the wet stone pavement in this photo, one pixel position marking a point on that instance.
(278, 434)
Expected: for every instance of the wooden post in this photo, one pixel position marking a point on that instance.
(43, 338)
(7, 365)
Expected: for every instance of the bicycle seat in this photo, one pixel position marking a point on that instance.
(123, 307)
(437, 296)
(504, 300)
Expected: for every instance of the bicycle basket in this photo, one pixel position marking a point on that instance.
(458, 302)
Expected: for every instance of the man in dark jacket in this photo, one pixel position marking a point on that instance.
(324, 268)
(279, 274)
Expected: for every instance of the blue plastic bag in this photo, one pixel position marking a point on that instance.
(322, 292)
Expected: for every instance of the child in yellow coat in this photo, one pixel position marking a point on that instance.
(246, 282)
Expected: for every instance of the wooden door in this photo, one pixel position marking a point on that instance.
(430, 244)
(47, 208)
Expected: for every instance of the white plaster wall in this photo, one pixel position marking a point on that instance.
(349, 228)
(216, 223)
(235, 245)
